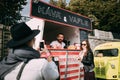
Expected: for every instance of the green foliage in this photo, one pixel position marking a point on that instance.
(104, 13)
(10, 11)
(53, 2)
(74, 5)
(59, 3)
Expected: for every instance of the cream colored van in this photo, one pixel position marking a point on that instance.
(107, 61)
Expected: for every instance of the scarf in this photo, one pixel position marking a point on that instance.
(15, 57)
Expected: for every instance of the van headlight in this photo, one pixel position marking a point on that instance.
(112, 66)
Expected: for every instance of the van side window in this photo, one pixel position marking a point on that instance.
(106, 53)
(114, 52)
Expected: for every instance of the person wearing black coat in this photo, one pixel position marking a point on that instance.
(87, 59)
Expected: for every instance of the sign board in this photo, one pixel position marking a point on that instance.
(83, 35)
(51, 13)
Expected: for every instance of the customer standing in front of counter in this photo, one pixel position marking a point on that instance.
(87, 59)
(23, 62)
(58, 44)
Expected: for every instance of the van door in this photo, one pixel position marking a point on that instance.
(106, 63)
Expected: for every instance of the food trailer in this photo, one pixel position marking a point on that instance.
(51, 20)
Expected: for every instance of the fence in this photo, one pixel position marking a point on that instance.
(4, 37)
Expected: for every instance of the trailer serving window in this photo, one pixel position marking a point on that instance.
(71, 34)
(106, 53)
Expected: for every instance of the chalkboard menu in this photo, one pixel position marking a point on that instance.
(49, 12)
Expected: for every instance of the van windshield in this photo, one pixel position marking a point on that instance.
(106, 53)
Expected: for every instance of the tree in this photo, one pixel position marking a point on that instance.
(53, 2)
(105, 13)
(59, 3)
(10, 11)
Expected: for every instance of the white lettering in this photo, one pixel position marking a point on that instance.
(49, 12)
(86, 23)
(78, 21)
(41, 9)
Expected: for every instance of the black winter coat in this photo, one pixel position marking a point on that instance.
(88, 61)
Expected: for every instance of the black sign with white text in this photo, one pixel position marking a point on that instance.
(42, 10)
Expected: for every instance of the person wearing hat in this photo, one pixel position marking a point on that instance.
(23, 62)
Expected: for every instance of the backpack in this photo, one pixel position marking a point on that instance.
(3, 74)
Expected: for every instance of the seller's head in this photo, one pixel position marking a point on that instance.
(60, 37)
(22, 35)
